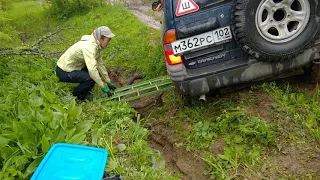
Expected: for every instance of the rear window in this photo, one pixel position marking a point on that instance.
(203, 4)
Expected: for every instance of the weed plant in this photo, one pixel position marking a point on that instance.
(37, 110)
(298, 109)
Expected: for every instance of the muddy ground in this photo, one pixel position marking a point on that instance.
(189, 165)
(288, 160)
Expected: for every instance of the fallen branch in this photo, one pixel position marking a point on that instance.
(5, 49)
(20, 53)
(36, 44)
(35, 49)
(39, 53)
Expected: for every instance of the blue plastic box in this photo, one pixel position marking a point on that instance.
(66, 161)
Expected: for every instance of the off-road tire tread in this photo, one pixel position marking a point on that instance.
(238, 25)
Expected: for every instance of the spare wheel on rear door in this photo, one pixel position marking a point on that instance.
(276, 30)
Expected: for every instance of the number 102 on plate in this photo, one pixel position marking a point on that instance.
(201, 40)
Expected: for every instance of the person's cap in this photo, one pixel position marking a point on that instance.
(104, 31)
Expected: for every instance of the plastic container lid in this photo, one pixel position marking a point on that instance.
(66, 161)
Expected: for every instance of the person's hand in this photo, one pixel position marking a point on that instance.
(106, 90)
(159, 8)
(111, 86)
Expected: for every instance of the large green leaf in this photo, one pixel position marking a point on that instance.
(35, 100)
(45, 144)
(83, 127)
(59, 135)
(49, 96)
(74, 111)
(58, 108)
(32, 167)
(17, 129)
(77, 139)
(6, 152)
(57, 117)
(8, 162)
(3, 141)
(95, 135)
(70, 132)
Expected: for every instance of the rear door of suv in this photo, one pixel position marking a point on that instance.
(203, 32)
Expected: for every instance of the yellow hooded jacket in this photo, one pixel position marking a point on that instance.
(86, 52)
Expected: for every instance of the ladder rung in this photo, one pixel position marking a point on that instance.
(137, 91)
(151, 81)
(147, 94)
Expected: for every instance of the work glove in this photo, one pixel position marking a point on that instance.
(106, 90)
(111, 86)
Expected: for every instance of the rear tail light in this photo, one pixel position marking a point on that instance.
(169, 37)
(171, 58)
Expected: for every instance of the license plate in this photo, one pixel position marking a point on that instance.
(201, 40)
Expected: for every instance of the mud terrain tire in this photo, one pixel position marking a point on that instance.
(276, 30)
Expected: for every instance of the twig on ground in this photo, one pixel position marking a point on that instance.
(5, 49)
(36, 44)
(39, 53)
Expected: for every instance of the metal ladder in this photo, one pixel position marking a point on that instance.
(140, 90)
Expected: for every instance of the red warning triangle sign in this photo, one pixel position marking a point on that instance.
(186, 7)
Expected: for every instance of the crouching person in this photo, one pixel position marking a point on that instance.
(82, 63)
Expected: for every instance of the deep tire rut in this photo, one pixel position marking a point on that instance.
(178, 160)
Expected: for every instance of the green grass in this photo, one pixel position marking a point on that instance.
(135, 48)
(29, 20)
(132, 48)
(301, 107)
(245, 136)
(251, 140)
(9, 37)
(38, 111)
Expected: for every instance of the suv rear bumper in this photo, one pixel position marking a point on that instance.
(236, 71)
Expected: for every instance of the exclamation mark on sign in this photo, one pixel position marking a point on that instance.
(186, 5)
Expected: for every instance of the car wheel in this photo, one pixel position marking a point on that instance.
(275, 30)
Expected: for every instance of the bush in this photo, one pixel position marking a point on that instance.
(23, 23)
(61, 9)
(5, 5)
(9, 37)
